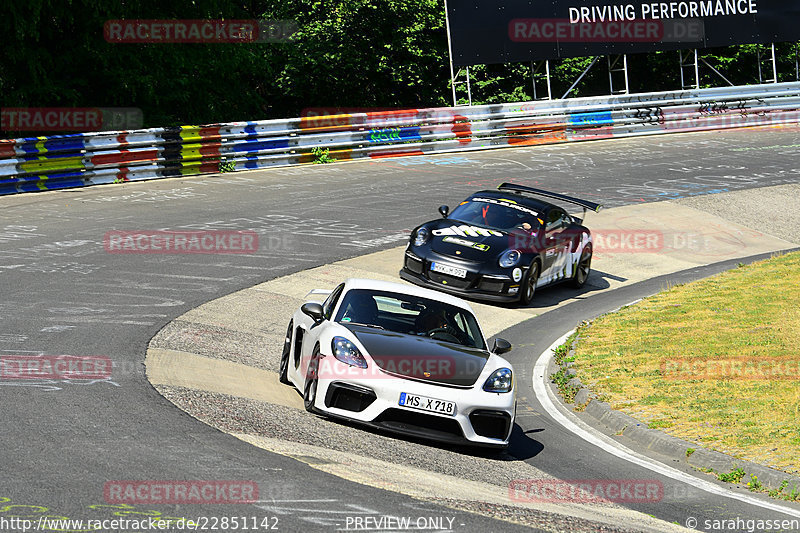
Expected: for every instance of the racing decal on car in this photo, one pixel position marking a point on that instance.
(467, 231)
(507, 203)
(465, 242)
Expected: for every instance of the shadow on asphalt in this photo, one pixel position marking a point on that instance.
(561, 291)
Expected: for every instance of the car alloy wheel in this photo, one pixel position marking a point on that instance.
(583, 268)
(312, 378)
(287, 350)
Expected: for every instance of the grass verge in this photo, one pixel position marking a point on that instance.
(714, 362)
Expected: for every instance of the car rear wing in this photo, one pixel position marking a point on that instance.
(585, 204)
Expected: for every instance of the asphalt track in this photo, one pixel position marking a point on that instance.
(64, 295)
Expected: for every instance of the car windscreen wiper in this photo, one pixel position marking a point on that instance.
(376, 326)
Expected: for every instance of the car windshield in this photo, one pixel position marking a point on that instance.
(497, 213)
(410, 315)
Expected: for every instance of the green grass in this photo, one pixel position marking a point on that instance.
(656, 361)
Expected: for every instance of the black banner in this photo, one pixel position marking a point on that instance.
(510, 31)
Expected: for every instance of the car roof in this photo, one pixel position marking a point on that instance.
(403, 288)
(534, 203)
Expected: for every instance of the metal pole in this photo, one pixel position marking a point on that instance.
(547, 67)
(774, 66)
(450, 53)
(469, 91)
(716, 71)
(610, 77)
(680, 62)
(696, 71)
(581, 76)
(625, 64)
(533, 79)
(758, 51)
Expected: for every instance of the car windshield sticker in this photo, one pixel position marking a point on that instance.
(468, 244)
(507, 203)
(467, 231)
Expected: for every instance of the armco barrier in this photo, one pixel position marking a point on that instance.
(61, 161)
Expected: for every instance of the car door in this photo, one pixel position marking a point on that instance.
(556, 244)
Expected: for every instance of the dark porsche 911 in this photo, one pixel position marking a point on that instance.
(501, 245)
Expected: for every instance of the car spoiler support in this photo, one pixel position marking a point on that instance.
(585, 204)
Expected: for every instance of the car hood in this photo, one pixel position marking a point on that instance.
(472, 243)
(422, 358)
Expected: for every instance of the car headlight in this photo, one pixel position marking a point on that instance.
(347, 352)
(422, 236)
(501, 380)
(510, 258)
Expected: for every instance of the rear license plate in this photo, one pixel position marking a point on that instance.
(450, 270)
(423, 403)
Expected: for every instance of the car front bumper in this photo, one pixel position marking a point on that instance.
(491, 287)
(481, 418)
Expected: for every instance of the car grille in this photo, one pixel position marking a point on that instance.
(349, 397)
(414, 265)
(490, 424)
(450, 281)
(491, 286)
(419, 423)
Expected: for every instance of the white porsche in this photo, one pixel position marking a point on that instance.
(401, 358)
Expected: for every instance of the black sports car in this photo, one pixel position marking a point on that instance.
(501, 245)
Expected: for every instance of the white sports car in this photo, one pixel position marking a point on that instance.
(403, 359)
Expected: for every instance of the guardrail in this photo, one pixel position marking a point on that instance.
(62, 161)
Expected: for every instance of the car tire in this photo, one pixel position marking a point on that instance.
(528, 286)
(283, 370)
(583, 268)
(312, 380)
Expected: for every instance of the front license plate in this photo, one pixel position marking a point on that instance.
(450, 270)
(423, 403)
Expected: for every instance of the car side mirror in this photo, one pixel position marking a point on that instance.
(501, 346)
(444, 211)
(313, 309)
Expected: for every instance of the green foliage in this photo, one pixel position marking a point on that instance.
(735, 476)
(754, 484)
(227, 166)
(774, 493)
(561, 352)
(561, 379)
(365, 53)
(322, 156)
